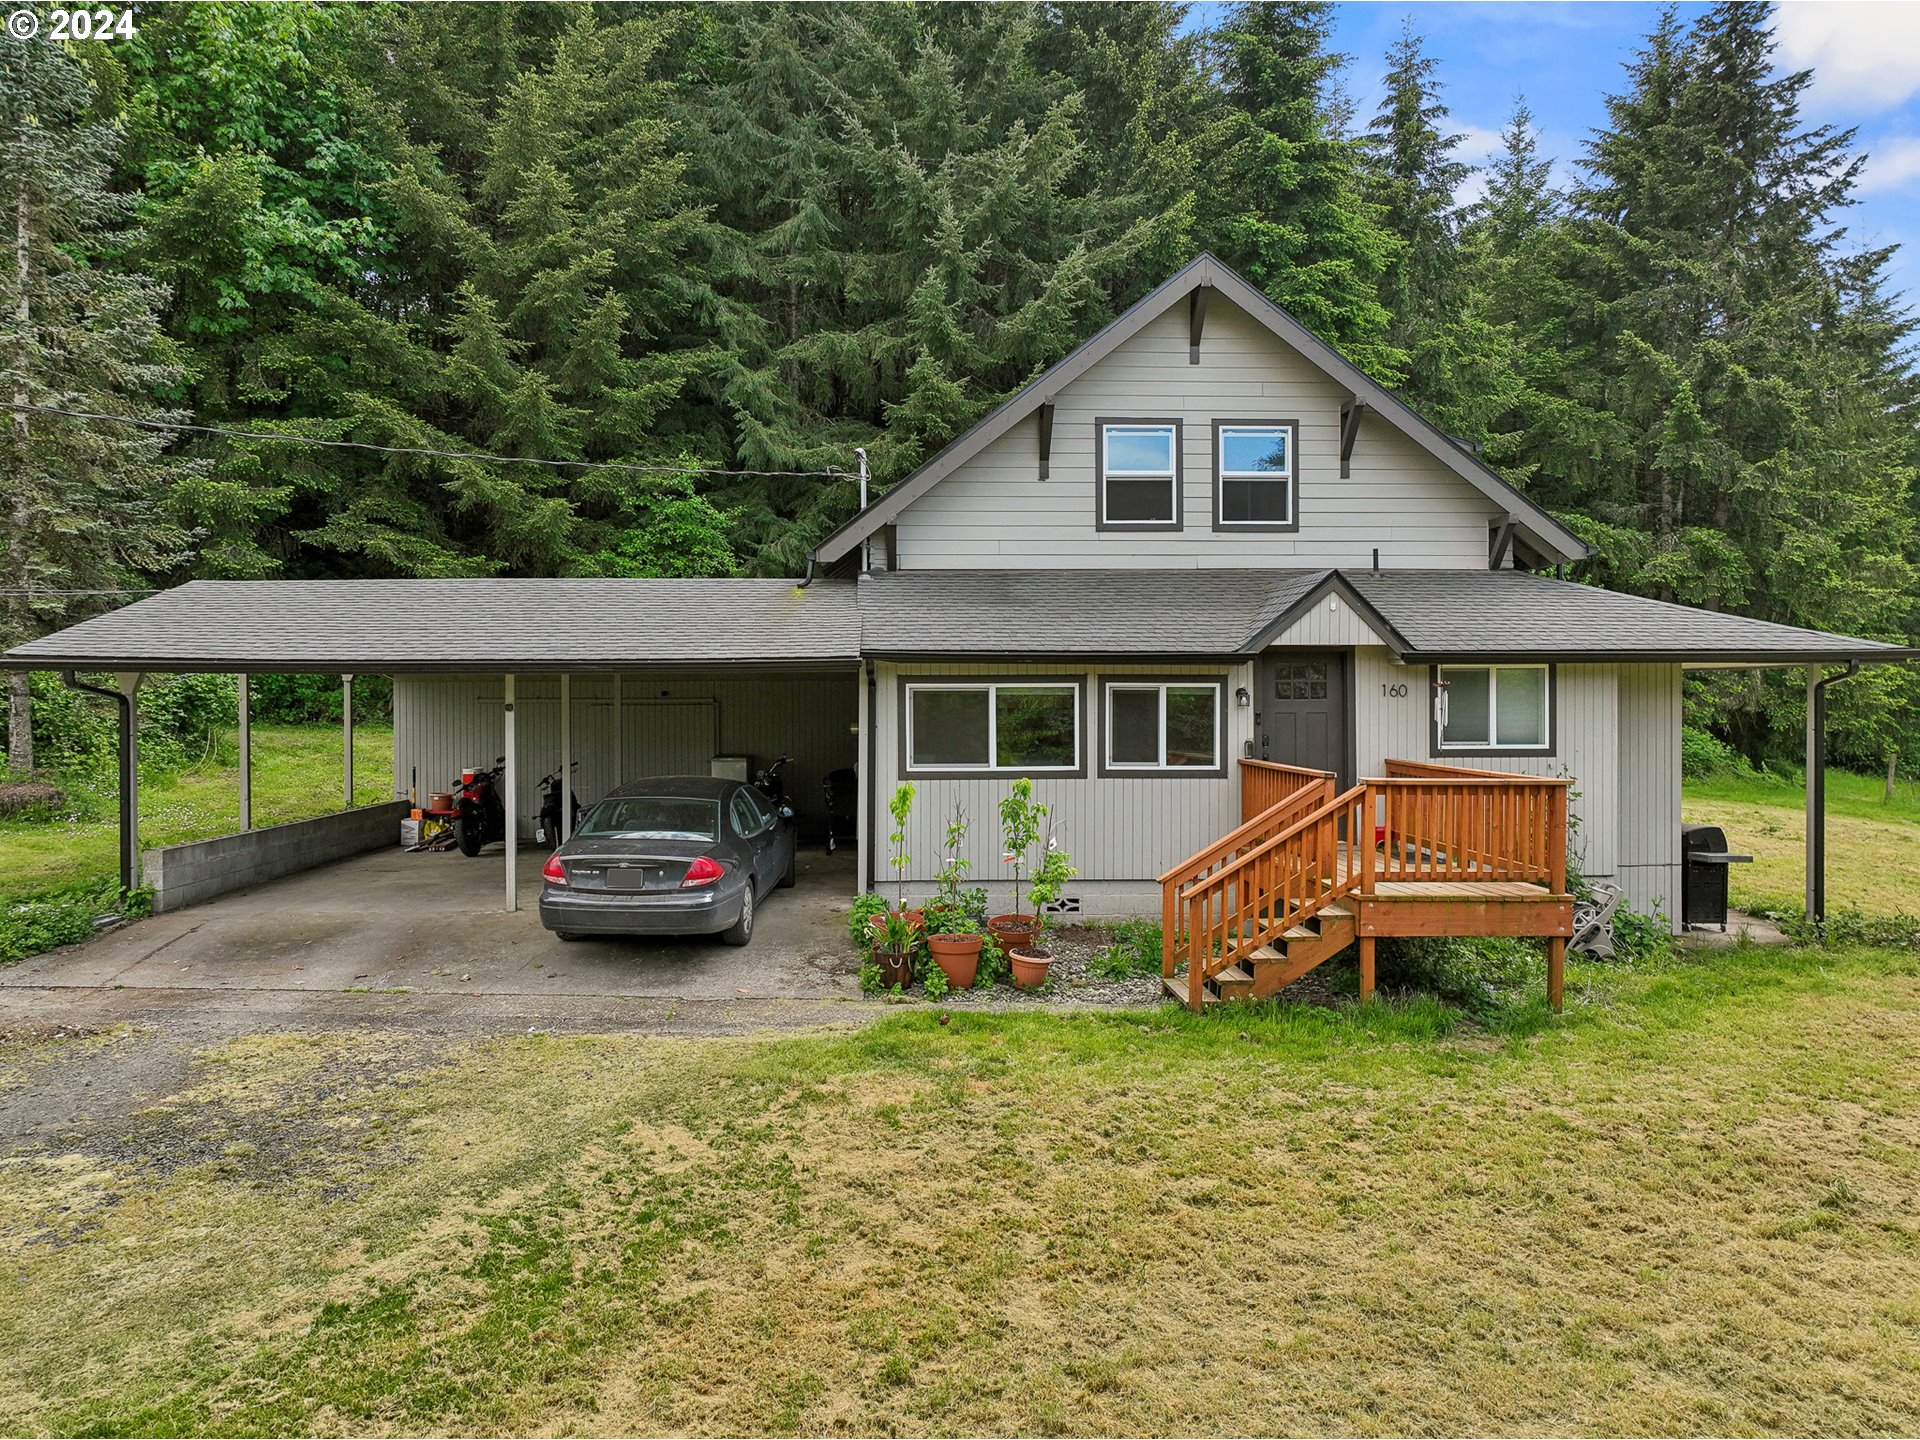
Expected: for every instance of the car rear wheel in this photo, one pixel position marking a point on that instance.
(566, 934)
(741, 931)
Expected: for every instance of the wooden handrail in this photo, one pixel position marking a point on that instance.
(1265, 783)
(1470, 827)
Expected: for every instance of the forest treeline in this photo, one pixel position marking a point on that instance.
(749, 238)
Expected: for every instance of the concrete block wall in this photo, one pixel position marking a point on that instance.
(201, 869)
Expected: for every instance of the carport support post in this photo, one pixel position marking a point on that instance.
(246, 753)
(566, 758)
(1816, 800)
(346, 740)
(512, 779)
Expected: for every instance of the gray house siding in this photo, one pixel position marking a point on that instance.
(1650, 788)
(1121, 832)
(995, 513)
(665, 724)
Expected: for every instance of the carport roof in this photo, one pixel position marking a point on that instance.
(410, 626)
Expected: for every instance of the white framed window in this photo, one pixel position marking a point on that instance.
(1162, 726)
(1032, 727)
(1139, 475)
(1493, 707)
(1254, 479)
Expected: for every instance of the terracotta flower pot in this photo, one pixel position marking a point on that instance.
(958, 956)
(1014, 932)
(1029, 968)
(896, 967)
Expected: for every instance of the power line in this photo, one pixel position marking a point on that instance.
(23, 590)
(181, 425)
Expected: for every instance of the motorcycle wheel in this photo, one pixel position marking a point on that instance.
(466, 834)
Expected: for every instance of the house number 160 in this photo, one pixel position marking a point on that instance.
(1397, 692)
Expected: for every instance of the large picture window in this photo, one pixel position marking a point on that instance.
(1139, 474)
(1494, 707)
(1253, 468)
(1170, 726)
(993, 725)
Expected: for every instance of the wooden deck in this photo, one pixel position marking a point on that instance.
(1455, 852)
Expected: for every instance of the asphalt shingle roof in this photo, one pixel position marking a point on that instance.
(397, 626)
(401, 626)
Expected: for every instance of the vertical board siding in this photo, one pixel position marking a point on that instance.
(444, 722)
(1586, 746)
(1650, 788)
(994, 512)
(1125, 830)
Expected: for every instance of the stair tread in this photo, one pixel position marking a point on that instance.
(1176, 986)
(1233, 975)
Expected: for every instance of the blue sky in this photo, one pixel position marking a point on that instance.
(1567, 57)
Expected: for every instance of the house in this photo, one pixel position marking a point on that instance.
(1229, 603)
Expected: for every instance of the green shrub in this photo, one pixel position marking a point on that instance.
(1135, 951)
(315, 699)
(61, 917)
(1702, 754)
(1851, 927)
(859, 930)
(1481, 975)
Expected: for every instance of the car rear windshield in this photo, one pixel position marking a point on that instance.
(653, 817)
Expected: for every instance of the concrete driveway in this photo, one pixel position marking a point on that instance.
(436, 924)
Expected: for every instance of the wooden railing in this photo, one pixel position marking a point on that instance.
(1290, 792)
(1278, 884)
(1445, 823)
(1265, 783)
(1311, 847)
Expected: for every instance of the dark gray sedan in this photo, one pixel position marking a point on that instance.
(675, 855)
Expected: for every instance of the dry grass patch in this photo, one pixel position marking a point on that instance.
(1688, 1207)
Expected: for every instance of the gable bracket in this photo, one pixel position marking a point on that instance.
(1196, 320)
(1045, 418)
(1499, 541)
(1350, 414)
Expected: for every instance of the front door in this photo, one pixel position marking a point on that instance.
(1302, 710)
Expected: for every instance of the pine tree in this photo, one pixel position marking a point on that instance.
(83, 508)
(1283, 199)
(1520, 198)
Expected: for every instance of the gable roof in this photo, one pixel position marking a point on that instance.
(1540, 530)
(416, 626)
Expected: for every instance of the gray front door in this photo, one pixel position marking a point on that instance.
(1302, 708)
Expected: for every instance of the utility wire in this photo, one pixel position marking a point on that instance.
(181, 425)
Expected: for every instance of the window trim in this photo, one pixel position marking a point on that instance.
(1106, 770)
(903, 752)
(1437, 750)
(1137, 527)
(1257, 527)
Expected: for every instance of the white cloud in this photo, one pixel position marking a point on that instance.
(1477, 144)
(1865, 54)
(1893, 163)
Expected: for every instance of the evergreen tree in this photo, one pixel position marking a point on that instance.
(83, 508)
(1520, 198)
(1282, 199)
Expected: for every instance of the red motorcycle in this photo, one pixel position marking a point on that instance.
(480, 817)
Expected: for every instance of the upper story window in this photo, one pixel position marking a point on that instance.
(1253, 475)
(989, 725)
(1494, 708)
(1139, 475)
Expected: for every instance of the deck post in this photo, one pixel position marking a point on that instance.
(1366, 967)
(1556, 970)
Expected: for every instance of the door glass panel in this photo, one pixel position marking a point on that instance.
(950, 727)
(1192, 724)
(1523, 706)
(1135, 734)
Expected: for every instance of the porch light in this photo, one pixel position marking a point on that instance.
(1243, 697)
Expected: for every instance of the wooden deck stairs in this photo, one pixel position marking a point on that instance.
(1442, 851)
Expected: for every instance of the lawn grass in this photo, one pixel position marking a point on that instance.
(1687, 1206)
(296, 776)
(1873, 847)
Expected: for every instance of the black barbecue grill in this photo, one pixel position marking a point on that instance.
(1703, 875)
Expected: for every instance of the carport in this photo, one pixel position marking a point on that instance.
(623, 677)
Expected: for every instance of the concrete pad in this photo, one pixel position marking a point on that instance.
(438, 924)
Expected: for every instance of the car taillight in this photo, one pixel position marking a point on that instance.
(703, 871)
(553, 871)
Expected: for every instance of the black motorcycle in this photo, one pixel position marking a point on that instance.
(547, 827)
(771, 783)
(481, 818)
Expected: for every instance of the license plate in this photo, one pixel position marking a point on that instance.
(626, 877)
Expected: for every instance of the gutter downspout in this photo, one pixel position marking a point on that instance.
(129, 774)
(873, 773)
(1817, 791)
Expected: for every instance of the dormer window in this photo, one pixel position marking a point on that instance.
(1253, 475)
(1139, 475)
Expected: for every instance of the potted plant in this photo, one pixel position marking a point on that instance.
(897, 931)
(1020, 822)
(1032, 961)
(954, 936)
